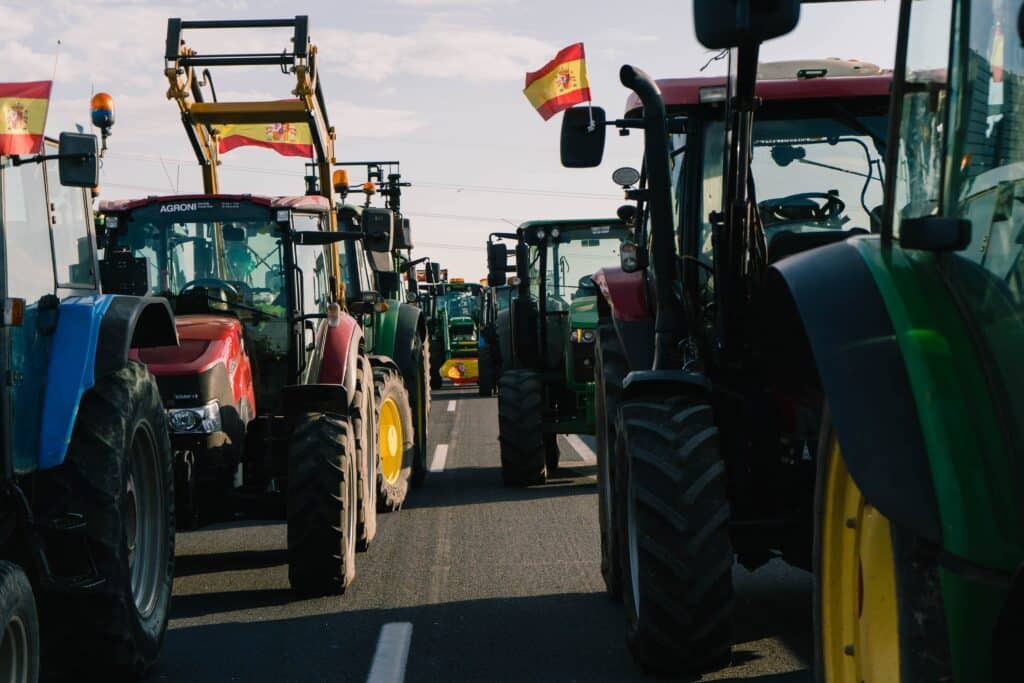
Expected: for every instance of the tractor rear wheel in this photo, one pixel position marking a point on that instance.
(364, 427)
(520, 428)
(395, 440)
(609, 371)
(19, 647)
(118, 477)
(878, 610)
(485, 372)
(677, 555)
(323, 496)
(551, 454)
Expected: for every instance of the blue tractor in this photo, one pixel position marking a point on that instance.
(87, 500)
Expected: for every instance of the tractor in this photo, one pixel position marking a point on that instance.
(547, 381)
(457, 330)
(693, 416)
(271, 394)
(918, 543)
(88, 488)
(396, 333)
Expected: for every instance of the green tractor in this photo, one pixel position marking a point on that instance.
(547, 383)
(457, 316)
(375, 262)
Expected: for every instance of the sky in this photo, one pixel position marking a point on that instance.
(435, 84)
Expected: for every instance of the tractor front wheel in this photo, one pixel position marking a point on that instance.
(118, 477)
(364, 427)
(878, 610)
(323, 496)
(520, 428)
(609, 370)
(395, 440)
(485, 371)
(677, 564)
(19, 642)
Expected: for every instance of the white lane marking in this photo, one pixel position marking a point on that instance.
(392, 653)
(586, 453)
(440, 456)
(451, 406)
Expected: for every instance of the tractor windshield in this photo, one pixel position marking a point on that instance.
(810, 174)
(572, 258)
(239, 264)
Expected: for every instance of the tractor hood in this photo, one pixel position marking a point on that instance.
(583, 312)
(206, 340)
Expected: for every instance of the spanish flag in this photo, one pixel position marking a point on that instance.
(23, 109)
(287, 139)
(560, 83)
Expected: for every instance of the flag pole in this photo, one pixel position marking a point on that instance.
(590, 111)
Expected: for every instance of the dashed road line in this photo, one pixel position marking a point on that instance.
(451, 406)
(585, 452)
(440, 456)
(392, 653)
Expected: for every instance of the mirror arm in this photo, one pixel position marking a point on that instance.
(39, 158)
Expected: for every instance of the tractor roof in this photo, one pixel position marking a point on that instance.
(301, 202)
(569, 223)
(840, 79)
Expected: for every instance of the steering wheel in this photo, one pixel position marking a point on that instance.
(212, 283)
(802, 206)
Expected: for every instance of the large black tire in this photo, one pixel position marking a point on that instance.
(521, 428)
(920, 645)
(419, 398)
(364, 427)
(118, 470)
(389, 388)
(19, 647)
(485, 371)
(609, 371)
(551, 453)
(436, 361)
(677, 555)
(323, 496)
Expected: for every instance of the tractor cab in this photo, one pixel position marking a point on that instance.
(458, 311)
(546, 385)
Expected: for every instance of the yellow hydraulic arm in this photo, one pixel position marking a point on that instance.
(201, 117)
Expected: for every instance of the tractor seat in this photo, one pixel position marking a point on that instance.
(786, 242)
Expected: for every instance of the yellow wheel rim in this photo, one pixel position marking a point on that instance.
(390, 440)
(859, 624)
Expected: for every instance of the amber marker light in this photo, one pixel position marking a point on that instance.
(369, 188)
(340, 180)
(102, 105)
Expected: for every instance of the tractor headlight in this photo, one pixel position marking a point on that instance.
(199, 420)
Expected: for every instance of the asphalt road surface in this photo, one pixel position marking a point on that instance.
(471, 581)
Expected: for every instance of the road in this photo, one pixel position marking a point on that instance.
(471, 581)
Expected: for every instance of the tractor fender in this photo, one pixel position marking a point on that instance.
(409, 326)
(330, 383)
(623, 302)
(828, 324)
(503, 332)
(92, 338)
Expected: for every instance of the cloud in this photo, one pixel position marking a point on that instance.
(437, 50)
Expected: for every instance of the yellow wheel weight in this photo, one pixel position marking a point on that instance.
(859, 622)
(390, 441)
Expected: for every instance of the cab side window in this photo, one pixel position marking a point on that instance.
(312, 261)
(27, 226)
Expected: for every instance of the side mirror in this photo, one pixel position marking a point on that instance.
(403, 237)
(78, 161)
(723, 24)
(583, 137)
(379, 228)
(497, 264)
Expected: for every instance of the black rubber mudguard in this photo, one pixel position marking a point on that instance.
(132, 322)
(826, 318)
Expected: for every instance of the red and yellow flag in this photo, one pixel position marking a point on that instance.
(560, 83)
(287, 139)
(23, 109)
